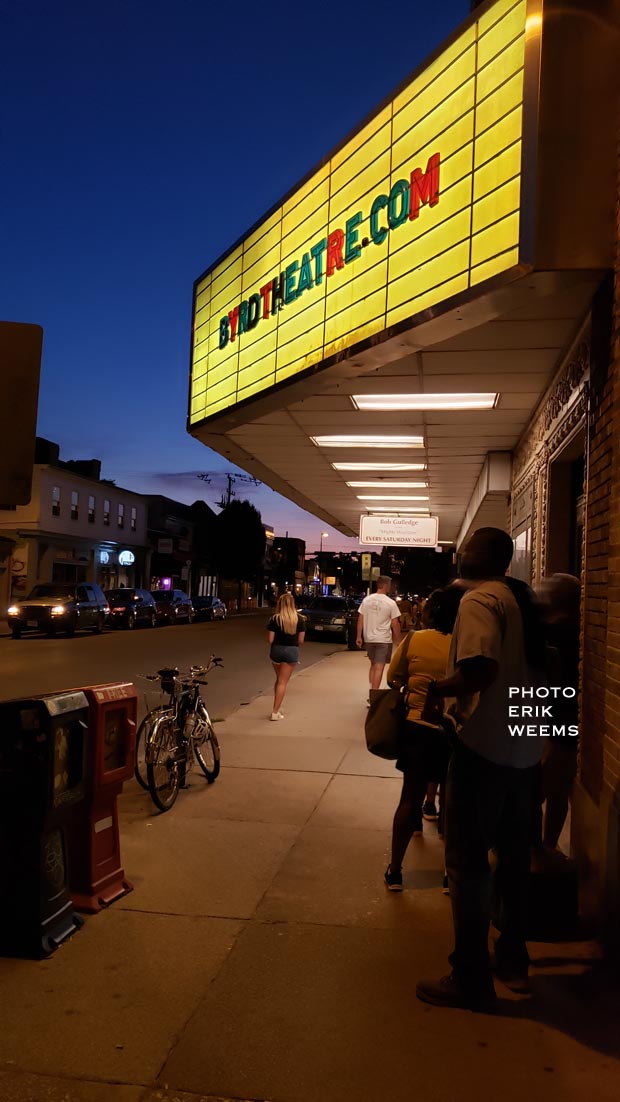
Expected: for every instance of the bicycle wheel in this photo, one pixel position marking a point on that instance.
(142, 736)
(162, 765)
(206, 746)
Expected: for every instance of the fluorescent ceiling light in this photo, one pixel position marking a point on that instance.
(389, 467)
(404, 402)
(391, 497)
(388, 485)
(421, 509)
(370, 441)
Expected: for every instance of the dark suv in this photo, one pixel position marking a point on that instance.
(330, 616)
(55, 606)
(130, 607)
(173, 605)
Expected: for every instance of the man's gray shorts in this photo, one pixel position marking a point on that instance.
(379, 653)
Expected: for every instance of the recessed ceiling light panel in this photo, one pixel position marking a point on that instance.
(388, 485)
(404, 402)
(389, 468)
(397, 509)
(373, 440)
(391, 497)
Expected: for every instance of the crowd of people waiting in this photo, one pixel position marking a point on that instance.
(482, 646)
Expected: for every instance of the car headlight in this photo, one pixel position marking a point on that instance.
(13, 610)
(339, 620)
(58, 610)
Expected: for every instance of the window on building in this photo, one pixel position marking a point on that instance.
(106, 513)
(55, 501)
(521, 566)
(75, 504)
(134, 518)
(120, 516)
(91, 509)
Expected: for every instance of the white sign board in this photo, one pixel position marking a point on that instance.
(394, 531)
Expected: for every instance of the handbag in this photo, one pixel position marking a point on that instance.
(385, 720)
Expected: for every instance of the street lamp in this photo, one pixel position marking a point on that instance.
(324, 535)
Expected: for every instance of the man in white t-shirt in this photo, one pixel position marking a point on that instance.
(379, 624)
(492, 778)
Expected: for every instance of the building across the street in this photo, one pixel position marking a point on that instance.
(428, 326)
(288, 564)
(171, 538)
(77, 527)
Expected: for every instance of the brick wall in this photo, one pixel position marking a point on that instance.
(597, 544)
(611, 742)
(596, 803)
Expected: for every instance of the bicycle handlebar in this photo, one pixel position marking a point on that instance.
(194, 673)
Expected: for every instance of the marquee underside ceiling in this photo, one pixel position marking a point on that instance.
(514, 352)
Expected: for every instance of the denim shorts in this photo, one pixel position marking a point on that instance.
(280, 653)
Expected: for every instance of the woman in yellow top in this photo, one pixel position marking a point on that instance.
(420, 659)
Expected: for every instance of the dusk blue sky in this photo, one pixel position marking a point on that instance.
(138, 140)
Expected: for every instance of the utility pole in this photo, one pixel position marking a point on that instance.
(231, 480)
(229, 494)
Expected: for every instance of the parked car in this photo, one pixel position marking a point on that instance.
(209, 608)
(330, 616)
(54, 607)
(172, 605)
(130, 607)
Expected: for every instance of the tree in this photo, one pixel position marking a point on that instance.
(239, 543)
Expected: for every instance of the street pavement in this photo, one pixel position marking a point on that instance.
(35, 664)
(260, 956)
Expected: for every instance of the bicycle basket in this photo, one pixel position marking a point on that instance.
(167, 679)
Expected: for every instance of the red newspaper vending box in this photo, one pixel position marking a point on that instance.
(96, 876)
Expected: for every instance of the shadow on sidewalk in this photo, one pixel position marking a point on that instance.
(584, 1006)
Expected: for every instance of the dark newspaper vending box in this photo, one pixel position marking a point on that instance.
(42, 754)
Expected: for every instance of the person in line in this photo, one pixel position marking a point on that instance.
(420, 659)
(287, 631)
(429, 807)
(492, 776)
(378, 625)
(560, 598)
(406, 615)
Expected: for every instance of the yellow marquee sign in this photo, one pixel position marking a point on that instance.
(420, 205)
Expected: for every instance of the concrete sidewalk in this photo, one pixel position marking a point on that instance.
(260, 956)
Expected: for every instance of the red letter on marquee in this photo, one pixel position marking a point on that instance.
(335, 241)
(424, 186)
(233, 317)
(265, 294)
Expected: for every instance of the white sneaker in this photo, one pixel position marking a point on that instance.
(281, 715)
(275, 716)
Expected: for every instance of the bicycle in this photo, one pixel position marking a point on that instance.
(173, 735)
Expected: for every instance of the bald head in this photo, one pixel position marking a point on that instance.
(487, 554)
